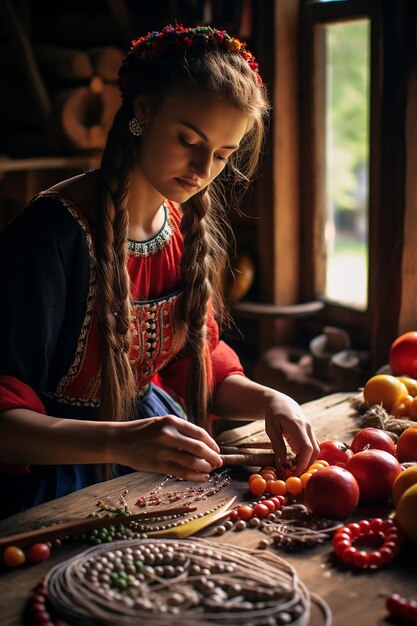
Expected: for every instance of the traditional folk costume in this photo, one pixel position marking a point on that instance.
(50, 343)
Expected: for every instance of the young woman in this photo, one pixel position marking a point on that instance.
(111, 286)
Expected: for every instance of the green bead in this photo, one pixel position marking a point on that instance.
(138, 565)
(122, 584)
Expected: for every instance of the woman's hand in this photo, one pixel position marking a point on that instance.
(167, 445)
(240, 398)
(285, 421)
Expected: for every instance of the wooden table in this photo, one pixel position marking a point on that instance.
(354, 597)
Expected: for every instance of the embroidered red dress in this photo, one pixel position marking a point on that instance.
(50, 348)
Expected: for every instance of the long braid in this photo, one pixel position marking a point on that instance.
(195, 271)
(118, 384)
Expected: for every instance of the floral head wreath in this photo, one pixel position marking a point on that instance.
(171, 38)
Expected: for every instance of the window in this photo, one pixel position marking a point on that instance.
(357, 163)
(346, 47)
(335, 82)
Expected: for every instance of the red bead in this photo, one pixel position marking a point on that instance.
(394, 604)
(233, 516)
(376, 524)
(344, 530)
(387, 525)
(245, 512)
(375, 559)
(410, 612)
(276, 501)
(349, 555)
(39, 552)
(387, 555)
(361, 559)
(270, 504)
(354, 528)
(365, 526)
(341, 537)
(341, 546)
(260, 510)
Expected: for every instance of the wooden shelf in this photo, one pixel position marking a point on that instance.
(48, 163)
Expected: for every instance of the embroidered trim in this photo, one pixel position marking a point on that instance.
(87, 402)
(154, 244)
(91, 295)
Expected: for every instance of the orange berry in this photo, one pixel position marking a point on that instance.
(268, 488)
(315, 466)
(252, 476)
(257, 486)
(268, 476)
(293, 485)
(304, 478)
(322, 462)
(278, 488)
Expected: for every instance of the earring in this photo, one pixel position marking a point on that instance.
(136, 128)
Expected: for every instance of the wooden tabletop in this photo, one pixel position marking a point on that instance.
(354, 597)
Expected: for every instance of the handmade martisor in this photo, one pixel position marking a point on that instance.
(190, 582)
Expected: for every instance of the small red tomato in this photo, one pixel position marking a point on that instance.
(39, 552)
(332, 492)
(372, 438)
(335, 452)
(375, 471)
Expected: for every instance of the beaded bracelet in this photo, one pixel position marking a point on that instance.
(383, 535)
(401, 608)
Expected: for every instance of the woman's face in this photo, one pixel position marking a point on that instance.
(187, 142)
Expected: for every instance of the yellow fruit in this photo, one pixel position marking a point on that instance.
(406, 479)
(384, 389)
(410, 383)
(406, 513)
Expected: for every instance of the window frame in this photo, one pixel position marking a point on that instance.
(313, 17)
(392, 198)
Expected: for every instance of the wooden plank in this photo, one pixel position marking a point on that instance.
(331, 416)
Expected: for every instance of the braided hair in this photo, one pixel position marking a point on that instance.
(159, 65)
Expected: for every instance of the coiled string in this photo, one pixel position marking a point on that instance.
(192, 582)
